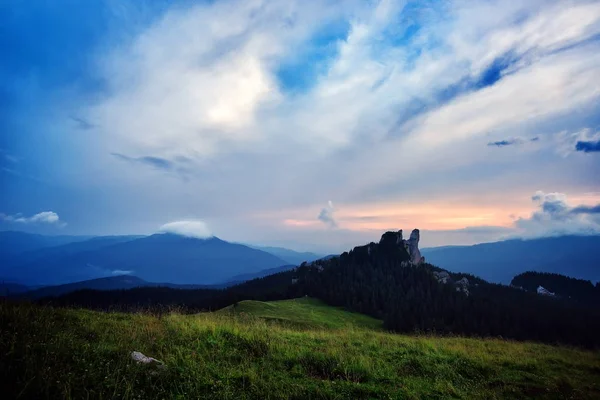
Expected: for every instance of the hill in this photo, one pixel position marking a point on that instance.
(499, 262)
(66, 353)
(120, 282)
(388, 281)
(10, 288)
(559, 285)
(156, 258)
(303, 312)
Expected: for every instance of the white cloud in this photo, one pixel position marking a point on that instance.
(45, 217)
(191, 228)
(555, 216)
(326, 215)
(121, 272)
(383, 120)
(566, 142)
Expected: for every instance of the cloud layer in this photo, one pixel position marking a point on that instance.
(556, 217)
(190, 228)
(45, 217)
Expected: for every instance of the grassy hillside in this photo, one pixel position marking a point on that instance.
(75, 354)
(302, 313)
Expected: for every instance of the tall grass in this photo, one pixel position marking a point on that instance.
(79, 354)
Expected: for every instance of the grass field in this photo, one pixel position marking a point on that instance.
(296, 349)
(304, 313)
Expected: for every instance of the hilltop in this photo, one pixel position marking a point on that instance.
(302, 313)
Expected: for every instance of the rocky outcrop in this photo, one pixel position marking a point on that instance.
(411, 245)
(442, 276)
(462, 285)
(544, 292)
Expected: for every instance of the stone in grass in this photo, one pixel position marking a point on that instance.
(142, 359)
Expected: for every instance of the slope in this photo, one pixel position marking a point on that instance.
(303, 312)
(65, 353)
(291, 256)
(261, 273)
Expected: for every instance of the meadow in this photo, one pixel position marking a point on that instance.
(292, 349)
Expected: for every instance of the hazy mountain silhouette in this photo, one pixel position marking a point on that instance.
(291, 256)
(261, 274)
(119, 282)
(575, 256)
(14, 243)
(156, 258)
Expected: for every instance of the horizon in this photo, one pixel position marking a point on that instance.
(310, 127)
(263, 246)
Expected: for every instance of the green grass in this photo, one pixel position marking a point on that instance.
(81, 354)
(304, 313)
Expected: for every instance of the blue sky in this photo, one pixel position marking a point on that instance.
(310, 125)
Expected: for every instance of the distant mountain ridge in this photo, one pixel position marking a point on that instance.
(160, 257)
(120, 282)
(291, 256)
(499, 262)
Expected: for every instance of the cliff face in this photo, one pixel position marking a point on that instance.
(411, 245)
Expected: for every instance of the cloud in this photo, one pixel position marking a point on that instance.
(399, 101)
(584, 140)
(556, 217)
(588, 147)
(190, 228)
(503, 143)
(45, 217)
(155, 162)
(513, 141)
(121, 272)
(82, 123)
(586, 209)
(326, 215)
(6, 156)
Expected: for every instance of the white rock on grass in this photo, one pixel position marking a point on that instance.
(142, 359)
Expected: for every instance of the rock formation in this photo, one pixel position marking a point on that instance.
(411, 245)
(462, 285)
(544, 292)
(442, 276)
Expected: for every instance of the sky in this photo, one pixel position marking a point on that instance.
(311, 125)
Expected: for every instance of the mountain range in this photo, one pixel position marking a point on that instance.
(37, 260)
(156, 258)
(387, 281)
(291, 256)
(499, 262)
